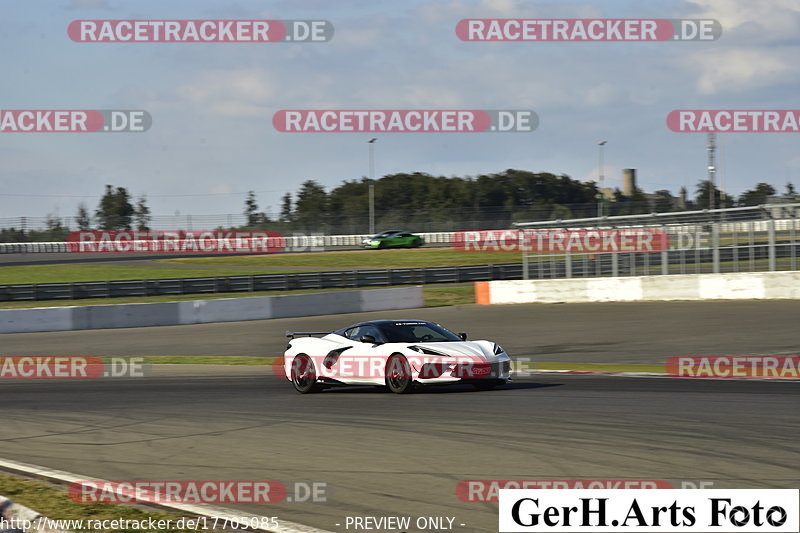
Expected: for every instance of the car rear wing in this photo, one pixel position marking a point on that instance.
(293, 334)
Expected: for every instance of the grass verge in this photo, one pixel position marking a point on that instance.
(209, 360)
(435, 296)
(54, 503)
(594, 367)
(249, 264)
(358, 259)
(82, 272)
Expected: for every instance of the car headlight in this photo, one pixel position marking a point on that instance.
(498, 349)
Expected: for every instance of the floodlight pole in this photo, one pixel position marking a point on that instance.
(371, 143)
(601, 201)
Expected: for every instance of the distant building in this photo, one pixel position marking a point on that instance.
(608, 194)
(628, 181)
(683, 202)
(629, 189)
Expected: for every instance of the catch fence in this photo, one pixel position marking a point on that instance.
(744, 239)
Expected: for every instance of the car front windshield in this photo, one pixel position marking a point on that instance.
(417, 332)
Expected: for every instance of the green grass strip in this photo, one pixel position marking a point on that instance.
(55, 504)
(208, 360)
(435, 296)
(595, 367)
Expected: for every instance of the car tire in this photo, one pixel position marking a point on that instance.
(381, 245)
(416, 244)
(304, 375)
(398, 375)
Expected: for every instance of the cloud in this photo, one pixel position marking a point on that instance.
(602, 94)
(88, 4)
(232, 92)
(742, 69)
(760, 21)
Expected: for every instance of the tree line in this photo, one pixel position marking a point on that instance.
(117, 210)
(416, 202)
(421, 202)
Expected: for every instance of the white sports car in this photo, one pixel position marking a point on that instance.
(398, 354)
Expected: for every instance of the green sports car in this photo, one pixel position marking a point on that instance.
(393, 239)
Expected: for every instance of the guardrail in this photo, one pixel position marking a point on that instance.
(343, 279)
(293, 243)
(676, 261)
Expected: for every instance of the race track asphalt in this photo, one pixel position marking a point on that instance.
(383, 454)
(575, 333)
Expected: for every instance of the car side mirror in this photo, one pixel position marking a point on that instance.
(367, 338)
(463, 336)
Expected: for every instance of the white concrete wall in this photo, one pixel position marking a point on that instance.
(739, 286)
(388, 299)
(38, 319)
(221, 310)
(205, 311)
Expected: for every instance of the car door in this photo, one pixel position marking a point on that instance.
(363, 363)
(402, 239)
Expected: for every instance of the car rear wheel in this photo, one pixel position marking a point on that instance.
(304, 374)
(398, 375)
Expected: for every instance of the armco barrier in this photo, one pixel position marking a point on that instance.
(205, 311)
(340, 279)
(738, 286)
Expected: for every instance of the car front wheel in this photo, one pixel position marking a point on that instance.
(304, 375)
(398, 375)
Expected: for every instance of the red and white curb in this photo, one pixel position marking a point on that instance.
(240, 518)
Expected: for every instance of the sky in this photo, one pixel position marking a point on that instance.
(211, 104)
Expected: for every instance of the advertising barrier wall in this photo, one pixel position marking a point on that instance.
(738, 286)
(206, 311)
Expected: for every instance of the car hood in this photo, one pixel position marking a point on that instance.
(480, 349)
